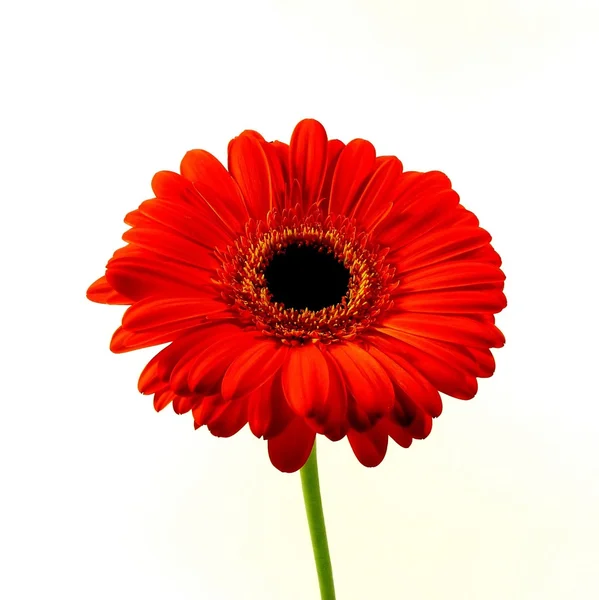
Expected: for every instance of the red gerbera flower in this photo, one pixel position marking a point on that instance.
(311, 288)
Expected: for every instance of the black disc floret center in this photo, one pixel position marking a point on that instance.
(306, 276)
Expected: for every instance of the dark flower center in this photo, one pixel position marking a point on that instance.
(306, 276)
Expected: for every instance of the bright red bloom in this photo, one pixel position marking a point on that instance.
(313, 288)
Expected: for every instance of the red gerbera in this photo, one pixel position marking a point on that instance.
(313, 288)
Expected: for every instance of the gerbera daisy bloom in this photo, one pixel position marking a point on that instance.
(310, 288)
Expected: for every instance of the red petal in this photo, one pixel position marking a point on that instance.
(453, 302)
(208, 408)
(333, 151)
(150, 380)
(130, 251)
(454, 354)
(485, 361)
(183, 404)
(415, 187)
(358, 419)
(308, 159)
(137, 219)
(282, 151)
(249, 166)
(193, 341)
(172, 246)
(100, 291)
(422, 200)
(126, 341)
(420, 428)
(440, 245)
(370, 447)
(201, 369)
(229, 419)
(201, 227)
(366, 379)
(175, 187)
(278, 159)
(447, 376)
(356, 162)
(290, 450)
(335, 423)
(486, 254)
(142, 276)
(453, 274)
(169, 315)
(253, 368)
(217, 187)
(163, 398)
(410, 385)
(376, 199)
(418, 218)
(464, 218)
(268, 411)
(305, 379)
(454, 329)
(399, 435)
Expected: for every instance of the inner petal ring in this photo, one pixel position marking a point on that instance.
(246, 278)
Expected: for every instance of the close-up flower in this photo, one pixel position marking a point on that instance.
(310, 288)
(327, 208)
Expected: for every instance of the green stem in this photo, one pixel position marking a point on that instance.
(318, 532)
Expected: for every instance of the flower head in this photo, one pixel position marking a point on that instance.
(311, 288)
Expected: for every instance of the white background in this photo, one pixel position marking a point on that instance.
(101, 497)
